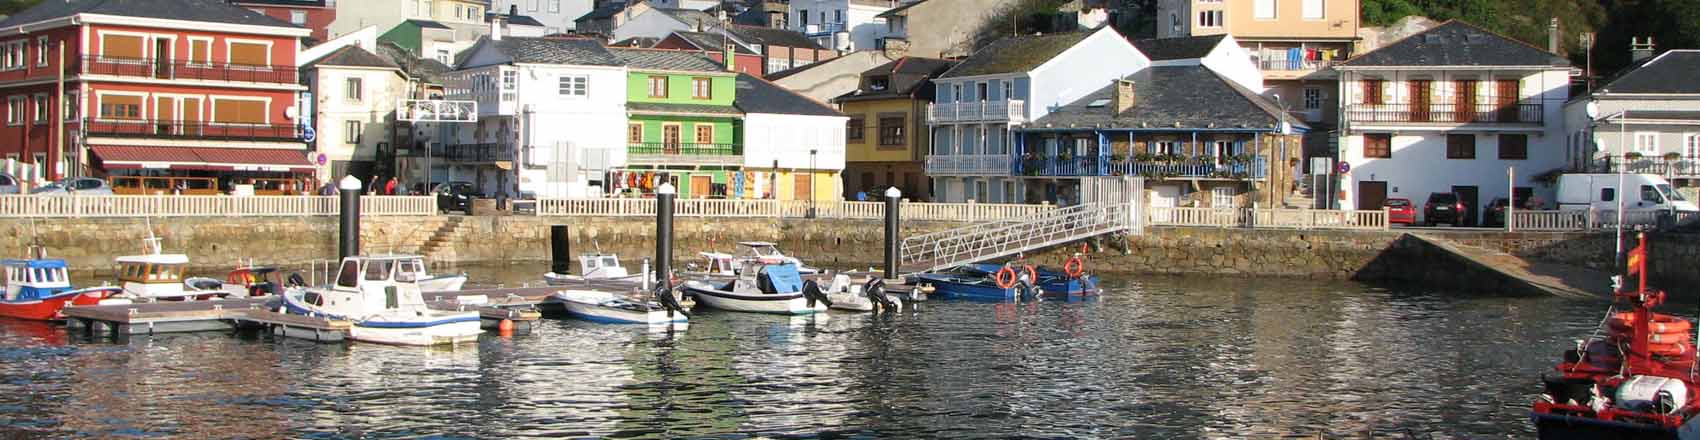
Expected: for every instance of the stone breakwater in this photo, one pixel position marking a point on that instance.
(216, 243)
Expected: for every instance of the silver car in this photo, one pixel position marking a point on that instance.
(8, 184)
(83, 186)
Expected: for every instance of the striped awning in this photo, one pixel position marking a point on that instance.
(203, 158)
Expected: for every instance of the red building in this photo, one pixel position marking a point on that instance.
(168, 88)
(714, 46)
(314, 15)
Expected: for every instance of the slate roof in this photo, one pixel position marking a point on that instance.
(604, 11)
(775, 76)
(354, 56)
(658, 59)
(299, 3)
(1180, 48)
(427, 24)
(1018, 53)
(1192, 96)
(756, 95)
(909, 77)
(689, 16)
(767, 36)
(757, 15)
(657, 107)
(638, 42)
(576, 51)
(1676, 71)
(214, 11)
(1664, 115)
(420, 68)
(1456, 43)
(893, 12)
(522, 20)
(711, 41)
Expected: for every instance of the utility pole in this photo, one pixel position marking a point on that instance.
(59, 122)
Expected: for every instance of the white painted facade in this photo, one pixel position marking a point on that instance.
(972, 160)
(556, 15)
(789, 138)
(1639, 123)
(1419, 164)
(844, 25)
(350, 123)
(1227, 59)
(352, 15)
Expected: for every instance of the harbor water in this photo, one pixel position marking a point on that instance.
(1153, 358)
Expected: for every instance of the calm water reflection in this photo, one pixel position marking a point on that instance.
(1156, 358)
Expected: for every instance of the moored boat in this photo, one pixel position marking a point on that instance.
(382, 301)
(999, 282)
(608, 307)
(594, 267)
(865, 297)
(155, 275)
(39, 289)
(772, 288)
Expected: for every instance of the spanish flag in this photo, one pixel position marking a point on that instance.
(1638, 259)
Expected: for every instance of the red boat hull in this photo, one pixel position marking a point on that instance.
(51, 309)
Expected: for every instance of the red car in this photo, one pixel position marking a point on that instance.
(1401, 212)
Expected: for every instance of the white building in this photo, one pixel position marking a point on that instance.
(795, 132)
(658, 22)
(1010, 82)
(556, 16)
(844, 25)
(466, 17)
(1219, 53)
(1450, 109)
(354, 97)
(552, 116)
(1651, 111)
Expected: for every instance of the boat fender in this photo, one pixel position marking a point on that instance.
(1075, 267)
(1005, 277)
(664, 295)
(811, 291)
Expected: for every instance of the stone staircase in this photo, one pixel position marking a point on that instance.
(438, 246)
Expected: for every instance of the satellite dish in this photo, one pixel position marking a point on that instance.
(291, 112)
(1593, 109)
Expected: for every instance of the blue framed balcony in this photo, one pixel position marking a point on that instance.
(1202, 167)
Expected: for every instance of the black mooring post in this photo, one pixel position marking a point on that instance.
(893, 199)
(560, 250)
(348, 243)
(664, 235)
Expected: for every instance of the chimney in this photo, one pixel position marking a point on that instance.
(1552, 35)
(513, 10)
(728, 55)
(496, 25)
(1640, 50)
(1124, 97)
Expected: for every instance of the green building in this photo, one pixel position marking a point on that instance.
(682, 123)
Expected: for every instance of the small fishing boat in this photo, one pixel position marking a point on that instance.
(382, 300)
(158, 276)
(866, 297)
(1634, 378)
(759, 252)
(39, 289)
(997, 282)
(608, 307)
(593, 267)
(428, 282)
(771, 288)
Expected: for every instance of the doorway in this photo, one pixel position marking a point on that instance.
(1419, 90)
(700, 185)
(1467, 196)
(162, 58)
(1465, 100)
(1371, 195)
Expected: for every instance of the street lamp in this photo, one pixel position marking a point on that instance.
(1282, 126)
(1593, 111)
(812, 182)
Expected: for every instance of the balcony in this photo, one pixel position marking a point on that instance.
(1669, 167)
(166, 69)
(1256, 167)
(1445, 114)
(489, 152)
(1285, 68)
(1013, 110)
(969, 164)
(822, 28)
(192, 130)
(663, 153)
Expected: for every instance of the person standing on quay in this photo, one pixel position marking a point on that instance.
(389, 187)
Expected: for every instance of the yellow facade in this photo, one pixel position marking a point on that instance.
(826, 185)
(869, 112)
(1339, 19)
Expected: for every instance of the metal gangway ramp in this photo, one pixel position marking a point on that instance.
(980, 242)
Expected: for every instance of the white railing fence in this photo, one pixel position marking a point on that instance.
(938, 250)
(785, 209)
(21, 206)
(1268, 218)
(1598, 219)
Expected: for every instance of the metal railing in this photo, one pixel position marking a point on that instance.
(1598, 219)
(681, 149)
(1679, 167)
(1198, 167)
(178, 69)
(944, 249)
(822, 28)
(191, 130)
(1289, 64)
(18, 206)
(483, 152)
(975, 164)
(1269, 218)
(785, 209)
(1445, 113)
(1012, 110)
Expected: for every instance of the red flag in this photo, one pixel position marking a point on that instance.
(1638, 259)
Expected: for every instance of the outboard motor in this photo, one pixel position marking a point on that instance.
(875, 289)
(664, 296)
(811, 291)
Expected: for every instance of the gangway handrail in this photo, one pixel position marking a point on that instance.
(944, 249)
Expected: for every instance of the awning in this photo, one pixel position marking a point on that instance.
(203, 158)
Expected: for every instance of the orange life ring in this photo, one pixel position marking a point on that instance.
(1032, 274)
(1678, 349)
(1075, 267)
(1662, 323)
(1006, 277)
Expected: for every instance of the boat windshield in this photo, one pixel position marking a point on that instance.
(765, 251)
(379, 270)
(409, 270)
(610, 261)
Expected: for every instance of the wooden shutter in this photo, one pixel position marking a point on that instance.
(192, 110)
(803, 186)
(248, 54)
(120, 107)
(200, 51)
(233, 111)
(121, 46)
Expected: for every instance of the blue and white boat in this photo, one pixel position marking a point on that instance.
(611, 308)
(39, 289)
(977, 281)
(381, 298)
(773, 288)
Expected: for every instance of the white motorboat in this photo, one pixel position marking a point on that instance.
(775, 288)
(608, 307)
(155, 275)
(594, 267)
(755, 252)
(433, 283)
(382, 300)
(866, 297)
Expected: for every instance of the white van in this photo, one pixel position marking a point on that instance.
(1646, 192)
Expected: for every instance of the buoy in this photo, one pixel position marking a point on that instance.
(506, 327)
(1074, 267)
(1005, 277)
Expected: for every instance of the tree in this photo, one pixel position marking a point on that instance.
(9, 7)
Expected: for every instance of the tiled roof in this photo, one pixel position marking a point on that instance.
(690, 16)
(1018, 53)
(214, 11)
(772, 37)
(1180, 48)
(1172, 97)
(576, 51)
(657, 59)
(665, 108)
(1456, 43)
(522, 20)
(354, 56)
(1676, 71)
(908, 77)
(712, 41)
(756, 95)
(604, 11)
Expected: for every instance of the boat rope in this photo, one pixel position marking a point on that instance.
(1582, 351)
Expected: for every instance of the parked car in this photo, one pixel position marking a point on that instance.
(1445, 208)
(85, 186)
(8, 184)
(455, 196)
(1495, 215)
(1401, 212)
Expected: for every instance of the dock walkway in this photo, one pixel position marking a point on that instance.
(1552, 278)
(518, 306)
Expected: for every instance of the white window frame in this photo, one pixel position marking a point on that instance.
(1311, 97)
(554, 6)
(15, 108)
(70, 106)
(42, 44)
(1314, 9)
(1213, 18)
(41, 107)
(141, 113)
(1265, 9)
(354, 89)
(574, 86)
(206, 58)
(1691, 146)
(351, 131)
(212, 110)
(267, 43)
(1648, 148)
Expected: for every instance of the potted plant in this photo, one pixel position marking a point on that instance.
(1118, 158)
(1632, 156)
(1673, 156)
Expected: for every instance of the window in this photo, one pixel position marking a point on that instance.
(351, 131)
(1313, 9)
(200, 51)
(1174, 23)
(120, 107)
(69, 106)
(15, 110)
(879, 83)
(248, 54)
(41, 47)
(1378, 145)
(1008, 90)
(575, 85)
(1167, 147)
(121, 46)
(658, 87)
(352, 90)
(838, 16)
(1691, 146)
(1513, 146)
(510, 84)
(1210, 19)
(1460, 146)
(1373, 91)
(298, 18)
(853, 130)
(956, 93)
(554, 5)
(1313, 98)
(239, 111)
(1648, 194)
(458, 12)
(1608, 194)
(1263, 9)
(803, 17)
(980, 91)
(705, 133)
(891, 131)
(41, 109)
(1647, 143)
(702, 88)
(634, 133)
